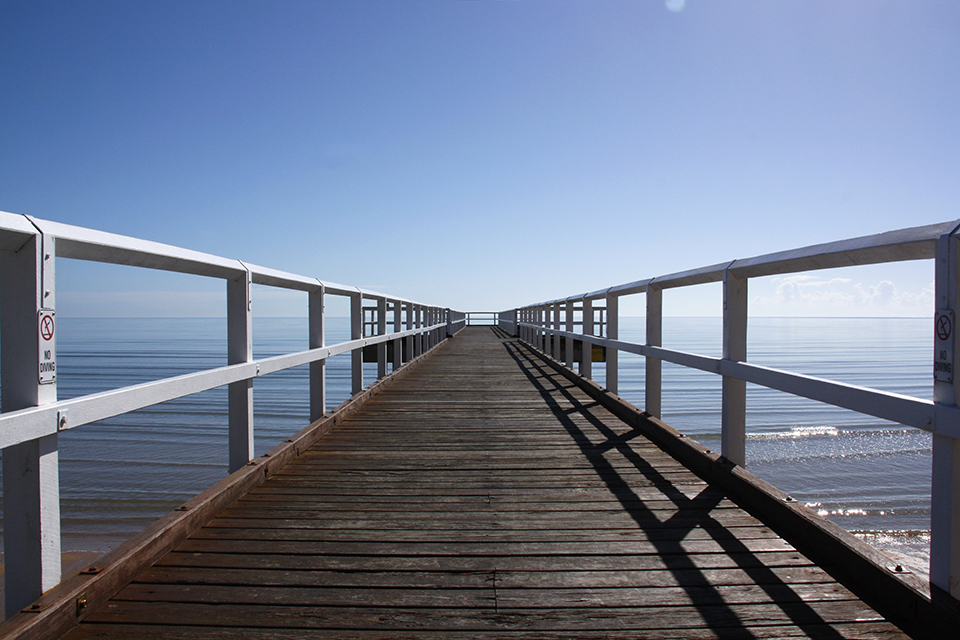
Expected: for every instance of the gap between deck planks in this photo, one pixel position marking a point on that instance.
(484, 496)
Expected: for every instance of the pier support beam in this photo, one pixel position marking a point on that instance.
(733, 436)
(945, 476)
(240, 350)
(318, 368)
(31, 477)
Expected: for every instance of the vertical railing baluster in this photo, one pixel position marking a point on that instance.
(545, 324)
(31, 475)
(409, 324)
(586, 349)
(945, 476)
(544, 333)
(653, 366)
(613, 333)
(397, 328)
(318, 368)
(428, 322)
(538, 327)
(240, 350)
(381, 330)
(418, 337)
(568, 317)
(547, 328)
(556, 327)
(356, 333)
(733, 438)
(532, 335)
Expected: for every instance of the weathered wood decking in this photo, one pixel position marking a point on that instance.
(484, 495)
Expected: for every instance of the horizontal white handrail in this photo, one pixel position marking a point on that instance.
(36, 422)
(543, 324)
(906, 410)
(915, 243)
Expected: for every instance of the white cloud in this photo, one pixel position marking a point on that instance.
(809, 294)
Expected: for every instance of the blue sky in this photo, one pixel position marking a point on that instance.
(484, 154)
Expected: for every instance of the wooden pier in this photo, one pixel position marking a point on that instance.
(481, 494)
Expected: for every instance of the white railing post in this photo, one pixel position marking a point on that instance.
(733, 435)
(418, 337)
(428, 322)
(318, 368)
(556, 327)
(240, 350)
(586, 349)
(532, 334)
(31, 477)
(613, 333)
(548, 329)
(568, 356)
(410, 313)
(356, 333)
(381, 330)
(544, 321)
(397, 328)
(653, 367)
(534, 330)
(945, 477)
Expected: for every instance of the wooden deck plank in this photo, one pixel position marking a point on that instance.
(482, 496)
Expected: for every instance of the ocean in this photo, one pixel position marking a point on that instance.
(870, 476)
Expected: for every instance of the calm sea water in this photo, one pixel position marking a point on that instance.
(870, 476)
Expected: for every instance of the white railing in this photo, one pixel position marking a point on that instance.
(596, 314)
(32, 417)
(482, 318)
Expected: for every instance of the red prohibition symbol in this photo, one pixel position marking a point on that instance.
(46, 327)
(944, 327)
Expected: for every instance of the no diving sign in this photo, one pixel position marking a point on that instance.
(943, 346)
(47, 334)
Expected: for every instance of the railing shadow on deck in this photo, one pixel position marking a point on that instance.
(666, 536)
(864, 570)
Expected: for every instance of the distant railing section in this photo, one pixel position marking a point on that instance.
(482, 318)
(562, 328)
(391, 330)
